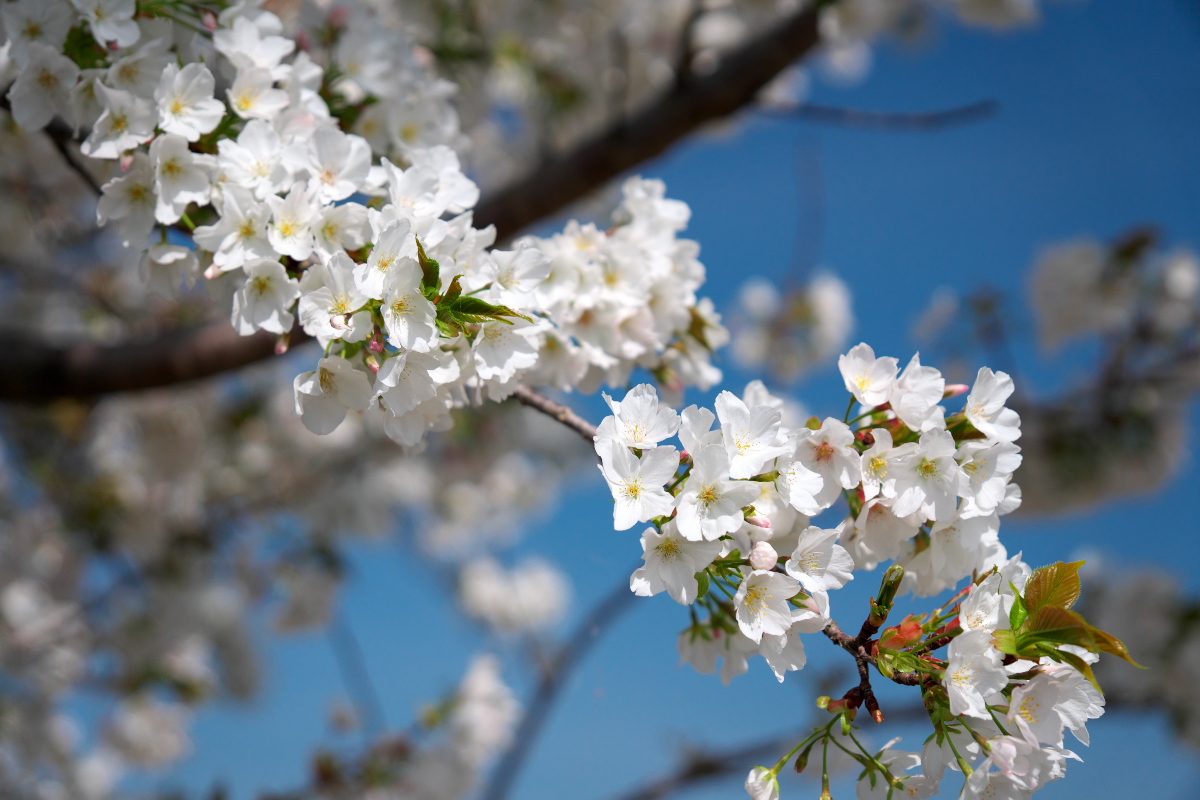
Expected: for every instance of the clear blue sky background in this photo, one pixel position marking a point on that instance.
(1098, 130)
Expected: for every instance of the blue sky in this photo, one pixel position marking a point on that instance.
(1097, 131)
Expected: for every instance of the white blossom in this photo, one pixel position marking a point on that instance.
(637, 482)
(325, 394)
(672, 562)
(263, 300)
(185, 101)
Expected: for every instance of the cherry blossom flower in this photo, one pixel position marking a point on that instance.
(110, 20)
(916, 394)
(130, 199)
(711, 504)
(30, 22)
(324, 395)
(185, 101)
(761, 604)
(986, 410)
(672, 562)
(869, 379)
(928, 479)
(818, 562)
(827, 452)
(43, 87)
(253, 96)
(637, 482)
(973, 673)
(639, 421)
(749, 434)
(263, 300)
(180, 177)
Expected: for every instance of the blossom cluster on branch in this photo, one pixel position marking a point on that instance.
(309, 166)
(731, 536)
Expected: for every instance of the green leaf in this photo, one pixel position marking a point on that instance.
(1054, 624)
(481, 310)
(1079, 664)
(1055, 585)
(1005, 641)
(703, 583)
(430, 269)
(1107, 643)
(1019, 613)
(452, 292)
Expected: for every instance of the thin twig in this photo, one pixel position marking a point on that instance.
(601, 617)
(74, 164)
(884, 120)
(559, 412)
(356, 675)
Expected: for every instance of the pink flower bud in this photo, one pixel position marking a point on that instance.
(304, 41)
(763, 556)
(213, 272)
(338, 321)
(209, 19)
(684, 455)
(338, 16)
(282, 344)
(954, 390)
(373, 364)
(376, 345)
(126, 161)
(761, 522)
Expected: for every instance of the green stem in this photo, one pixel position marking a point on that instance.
(849, 408)
(997, 721)
(962, 762)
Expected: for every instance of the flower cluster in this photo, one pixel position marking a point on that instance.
(416, 312)
(731, 514)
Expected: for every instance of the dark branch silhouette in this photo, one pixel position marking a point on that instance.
(885, 120)
(554, 678)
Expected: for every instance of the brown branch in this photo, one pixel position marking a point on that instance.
(650, 132)
(703, 766)
(884, 120)
(559, 412)
(76, 165)
(31, 371)
(602, 615)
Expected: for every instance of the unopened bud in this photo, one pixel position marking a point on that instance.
(761, 522)
(954, 390)
(283, 343)
(209, 19)
(303, 40)
(823, 701)
(338, 322)
(684, 456)
(376, 345)
(373, 364)
(213, 272)
(126, 161)
(763, 556)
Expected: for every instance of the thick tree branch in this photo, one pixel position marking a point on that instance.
(31, 371)
(625, 144)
